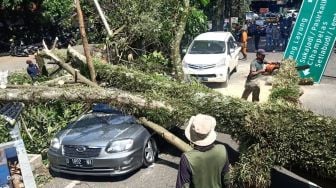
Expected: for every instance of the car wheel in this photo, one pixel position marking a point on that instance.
(150, 152)
(53, 173)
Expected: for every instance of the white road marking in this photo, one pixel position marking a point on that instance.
(72, 184)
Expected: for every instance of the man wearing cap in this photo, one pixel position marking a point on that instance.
(252, 84)
(207, 165)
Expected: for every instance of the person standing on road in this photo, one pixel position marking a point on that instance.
(257, 35)
(252, 84)
(244, 43)
(269, 40)
(207, 165)
(285, 32)
(276, 37)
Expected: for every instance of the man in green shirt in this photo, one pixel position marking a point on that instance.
(252, 84)
(207, 165)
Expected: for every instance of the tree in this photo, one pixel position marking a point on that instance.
(85, 42)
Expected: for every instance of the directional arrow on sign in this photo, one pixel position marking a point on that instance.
(306, 72)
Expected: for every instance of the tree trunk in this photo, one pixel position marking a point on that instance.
(85, 41)
(77, 94)
(164, 133)
(220, 15)
(176, 42)
(49, 55)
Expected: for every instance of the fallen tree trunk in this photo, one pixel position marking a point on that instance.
(164, 133)
(65, 78)
(77, 94)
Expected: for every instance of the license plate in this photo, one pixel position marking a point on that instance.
(81, 163)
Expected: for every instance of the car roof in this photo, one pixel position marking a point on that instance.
(218, 35)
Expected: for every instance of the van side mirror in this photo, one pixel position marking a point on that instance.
(184, 51)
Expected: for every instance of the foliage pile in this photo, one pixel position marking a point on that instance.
(43, 121)
(286, 83)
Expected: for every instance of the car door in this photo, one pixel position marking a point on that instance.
(233, 51)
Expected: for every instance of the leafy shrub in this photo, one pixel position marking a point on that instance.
(197, 23)
(306, 81)
(153, 62)
(19, 78)
(286, 83)
(43, 121)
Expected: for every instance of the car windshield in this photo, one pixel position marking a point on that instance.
(207, 47)
(108, 119)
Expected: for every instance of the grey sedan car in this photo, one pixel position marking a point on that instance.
(100, 143)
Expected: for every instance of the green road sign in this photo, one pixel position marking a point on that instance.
(313, 37)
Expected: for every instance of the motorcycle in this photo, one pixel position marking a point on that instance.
(18, 50)
(22, 50)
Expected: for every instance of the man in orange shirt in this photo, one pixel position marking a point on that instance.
(244, 43)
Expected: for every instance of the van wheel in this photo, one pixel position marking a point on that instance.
(235, 69)
(226, 83)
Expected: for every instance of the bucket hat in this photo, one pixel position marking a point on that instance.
(201, 130)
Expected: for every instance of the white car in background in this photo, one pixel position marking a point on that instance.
(212, 57)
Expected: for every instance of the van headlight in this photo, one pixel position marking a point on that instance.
(55, 144)
(221, 64)
(184, 64)
(119, 145)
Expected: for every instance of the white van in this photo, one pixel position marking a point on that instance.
(211, 57)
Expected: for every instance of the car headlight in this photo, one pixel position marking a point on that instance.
(119, 145)
(55, 144)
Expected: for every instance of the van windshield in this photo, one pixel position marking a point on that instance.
(207, 47)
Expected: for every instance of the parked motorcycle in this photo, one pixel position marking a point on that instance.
(18, 50)
(22, 50)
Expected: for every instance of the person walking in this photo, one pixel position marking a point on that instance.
(244, 43)
(252, 84)
(207, 164)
